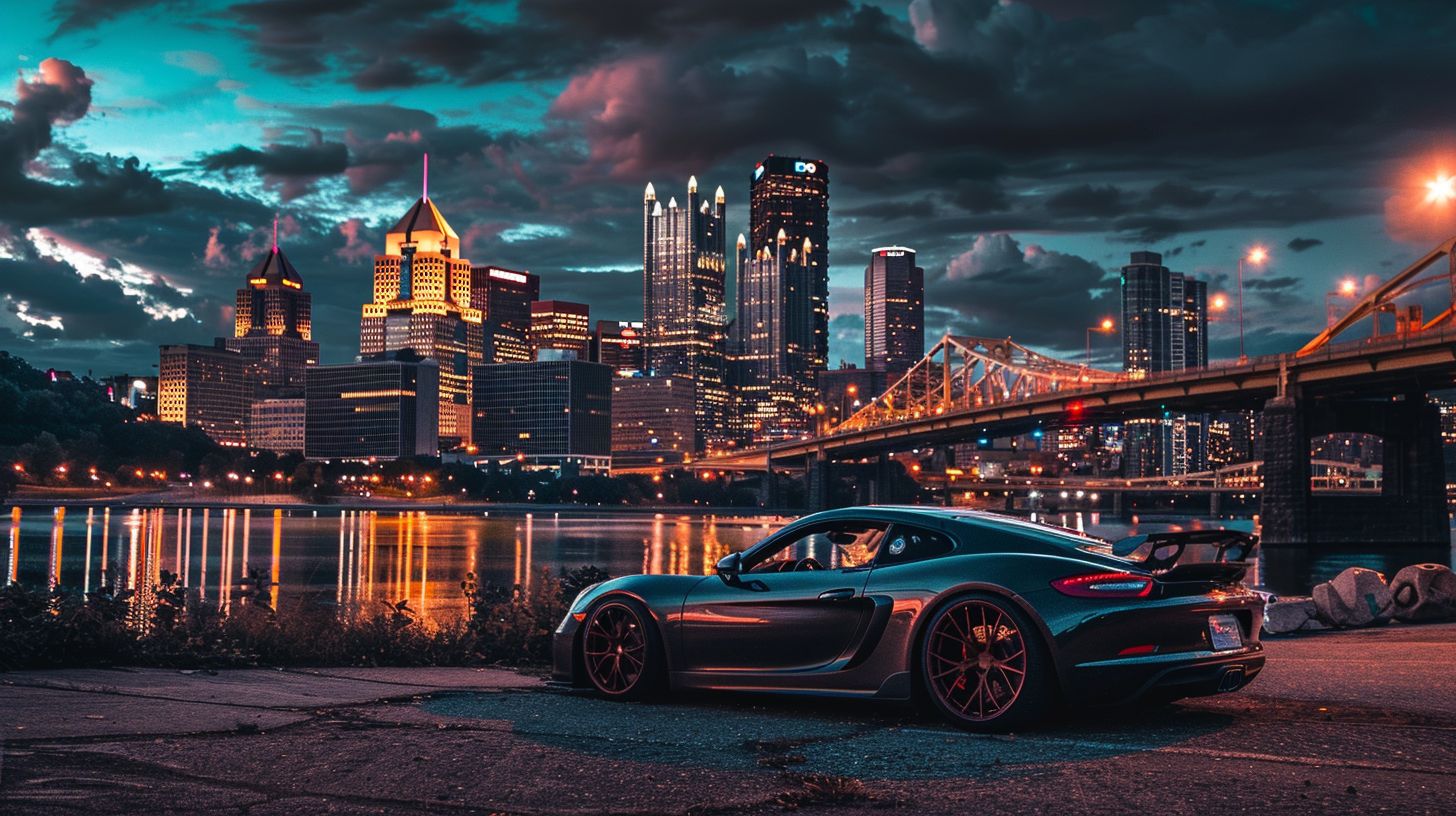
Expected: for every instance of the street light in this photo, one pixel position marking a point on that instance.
(1257, 255)
(1348, 288)
(1105, 327)
(1441, 189)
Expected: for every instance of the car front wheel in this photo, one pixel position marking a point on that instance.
(621, 651)
(984, 667)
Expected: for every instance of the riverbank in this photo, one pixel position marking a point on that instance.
(290, 503)
(1348, 723)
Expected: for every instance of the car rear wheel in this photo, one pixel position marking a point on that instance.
(621, 651)
(983, 665)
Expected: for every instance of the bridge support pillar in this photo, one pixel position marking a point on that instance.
(1117, 503)
(1214, 502)
(877, 486)
(1413, 482)
(816, 483)
(1284, 510)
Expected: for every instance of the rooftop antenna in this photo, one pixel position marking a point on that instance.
(425, 190)
(275, 233)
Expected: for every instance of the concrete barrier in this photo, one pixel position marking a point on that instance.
(1355, 597)
(1424, 592)
(1288, 615)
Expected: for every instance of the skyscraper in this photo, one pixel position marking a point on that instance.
(792, 195)
(272, 326)
(1164, 328)
(894, 310)
(422, 297)
(775, 382)
(561, 326)
(504, 298)
(683, 281)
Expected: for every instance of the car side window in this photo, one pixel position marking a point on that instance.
(834, 545)
(905, 544)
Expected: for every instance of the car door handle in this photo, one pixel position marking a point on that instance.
(836, 595)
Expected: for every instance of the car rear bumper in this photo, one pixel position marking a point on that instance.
(1182, 674)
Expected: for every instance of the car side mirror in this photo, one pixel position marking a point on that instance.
(730, 567)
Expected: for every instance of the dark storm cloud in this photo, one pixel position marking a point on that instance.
(77, 15)
(58, 94)
(1000, 288)
(89, 308)
(292, 169)
(1301, 244)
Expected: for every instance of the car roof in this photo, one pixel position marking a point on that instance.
(910, 513)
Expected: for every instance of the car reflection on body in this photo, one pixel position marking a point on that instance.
(992, 620)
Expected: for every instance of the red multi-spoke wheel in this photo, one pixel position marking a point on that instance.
(620, 651)
(980, 663)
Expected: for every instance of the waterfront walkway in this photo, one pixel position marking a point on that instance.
(1358, 721)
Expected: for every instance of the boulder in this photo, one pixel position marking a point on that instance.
(1287, 615)
(1424, 592)
(1355, 597)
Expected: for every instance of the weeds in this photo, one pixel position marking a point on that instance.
(168, 625)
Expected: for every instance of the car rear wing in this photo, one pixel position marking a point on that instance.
(1192, 555)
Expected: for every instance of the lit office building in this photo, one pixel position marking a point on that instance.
(422, 302)
(546, 414)
(792, 195)
(272, 326)
(136, 393)
(504, 298)
(684, 326)
(204, 387)
(775, 382)
(277, 424)
(386, 406)
(894, 310)
(1164, 328)
(562, 326)
(617, 344)
(652, 421)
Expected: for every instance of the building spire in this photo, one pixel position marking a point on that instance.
(275, 233)
(718, 196)
(783, 236)
(425, 186)
(692, 184)
(742, 241)
(650, 194)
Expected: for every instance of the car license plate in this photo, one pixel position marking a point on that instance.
(1225, 633)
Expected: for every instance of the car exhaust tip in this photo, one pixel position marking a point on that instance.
(1232, 679)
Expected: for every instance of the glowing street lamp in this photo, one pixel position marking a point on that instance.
(1257, 255)
(1106, 326)
(1441, 189)
(1348, 288)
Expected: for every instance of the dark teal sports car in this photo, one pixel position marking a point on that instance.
(991, 619)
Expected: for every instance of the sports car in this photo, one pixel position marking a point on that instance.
(992, 620)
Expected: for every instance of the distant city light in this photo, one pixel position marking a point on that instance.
(1220, 302)
(1348, 286)
(1258, 255)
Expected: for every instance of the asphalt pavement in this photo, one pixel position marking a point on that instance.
(1346, 722)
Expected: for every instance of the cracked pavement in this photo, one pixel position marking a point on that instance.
(1348, 722)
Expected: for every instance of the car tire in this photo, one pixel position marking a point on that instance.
(621, 650)
(984, 667)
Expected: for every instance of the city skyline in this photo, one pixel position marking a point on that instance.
(106, 257)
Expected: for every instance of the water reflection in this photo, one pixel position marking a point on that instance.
(360, 559)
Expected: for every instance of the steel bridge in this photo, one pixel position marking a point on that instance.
(967, 388)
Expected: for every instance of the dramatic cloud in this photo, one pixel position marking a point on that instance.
(1301, 244)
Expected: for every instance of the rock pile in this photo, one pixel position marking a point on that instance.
(1360, 597)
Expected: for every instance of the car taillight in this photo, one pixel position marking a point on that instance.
(1105, 585)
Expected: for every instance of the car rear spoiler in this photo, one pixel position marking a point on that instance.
(1192, 555)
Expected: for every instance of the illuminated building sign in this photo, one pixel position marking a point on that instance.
(805, 167)
(513, 277)
(758, 172)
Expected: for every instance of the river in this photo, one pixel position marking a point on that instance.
(362, 559)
